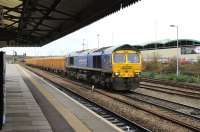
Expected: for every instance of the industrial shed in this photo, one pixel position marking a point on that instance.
(189, 50)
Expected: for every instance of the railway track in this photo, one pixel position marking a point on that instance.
(184, 119)
(121, 122)
(175, 116)
(171, 90)
(173, 106)
(172, 83)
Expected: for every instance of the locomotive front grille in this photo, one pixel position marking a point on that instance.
(126, 71)
(126, 67)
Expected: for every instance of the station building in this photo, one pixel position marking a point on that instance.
(188, 50)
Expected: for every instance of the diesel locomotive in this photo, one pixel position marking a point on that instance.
(114, 67)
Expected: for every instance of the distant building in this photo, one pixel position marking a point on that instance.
(189, 50)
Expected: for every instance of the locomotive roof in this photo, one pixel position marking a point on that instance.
(120, 47)
(104, 50)
(81, 52)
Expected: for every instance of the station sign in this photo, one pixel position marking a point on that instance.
(197, 50)
(190, 50)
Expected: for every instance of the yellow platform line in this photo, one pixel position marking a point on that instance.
(73, 121)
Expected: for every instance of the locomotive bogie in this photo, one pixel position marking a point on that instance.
(125, 84)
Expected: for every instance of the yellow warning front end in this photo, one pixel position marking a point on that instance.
(126, 63)
(126, 67)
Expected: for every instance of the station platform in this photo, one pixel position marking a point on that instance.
(34, 105)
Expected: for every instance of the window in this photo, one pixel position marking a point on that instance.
(133, 58)
(119, 58)
(71, 60)
(97, 61)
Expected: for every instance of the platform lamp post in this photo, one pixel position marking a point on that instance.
(83, 44)
(98, 39)
(177, 54)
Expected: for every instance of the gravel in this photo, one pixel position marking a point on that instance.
(141, 117)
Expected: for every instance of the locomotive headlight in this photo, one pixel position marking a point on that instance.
(137, 74)
(116, 73)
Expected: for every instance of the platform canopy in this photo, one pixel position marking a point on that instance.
(38, 22)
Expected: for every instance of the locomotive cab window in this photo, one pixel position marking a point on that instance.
(97, 62)
(71, 60)
(133, 58)
(119, 58)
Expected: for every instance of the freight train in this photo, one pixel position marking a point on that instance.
(114, 67)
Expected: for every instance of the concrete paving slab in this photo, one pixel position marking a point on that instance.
(21, 108)
(34, 105)
(91, 120)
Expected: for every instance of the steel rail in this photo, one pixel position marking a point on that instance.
(170, 102)
(154, 113)
(165, 107)
(111, 116)
(171, 91)
(127, 103)
(171, 83)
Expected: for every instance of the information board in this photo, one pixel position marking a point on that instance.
(190, 50)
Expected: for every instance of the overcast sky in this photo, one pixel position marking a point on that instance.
(145, 21)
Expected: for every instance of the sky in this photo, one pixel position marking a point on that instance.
(140, 23)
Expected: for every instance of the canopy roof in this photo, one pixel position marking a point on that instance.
(38, 22)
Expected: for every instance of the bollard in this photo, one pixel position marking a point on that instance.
(128, 128)
(92, 90)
